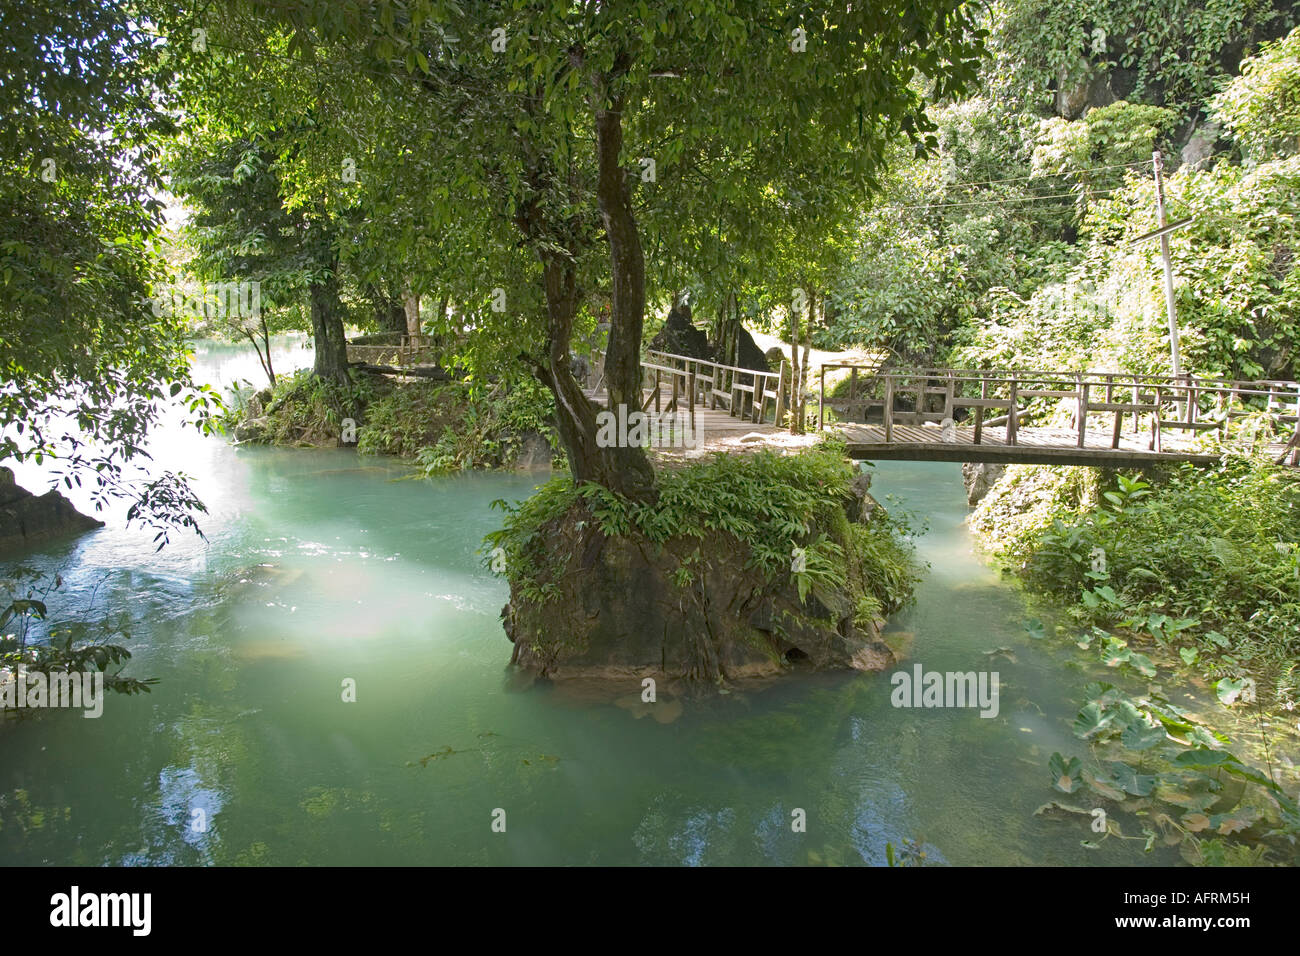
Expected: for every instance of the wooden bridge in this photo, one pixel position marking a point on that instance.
(393, 350)
(1075, 418)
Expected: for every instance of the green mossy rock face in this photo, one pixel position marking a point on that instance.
(620, 614)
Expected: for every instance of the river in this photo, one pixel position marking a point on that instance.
(321, 567)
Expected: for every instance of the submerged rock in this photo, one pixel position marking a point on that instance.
(26, 519)
(252, 430)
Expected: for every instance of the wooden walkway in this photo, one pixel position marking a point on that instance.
(1041, 445)
(1114, 419)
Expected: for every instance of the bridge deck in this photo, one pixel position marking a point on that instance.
(1034, 445)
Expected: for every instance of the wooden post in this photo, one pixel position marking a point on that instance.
(821, 401)
(656, 390)
(780, 396)
(979, 409)
(1011, 416)
(690, 387)
(1295, 435)
(889, 408)
(1083, 411)
(853, 389)
(1155, 421)
(1158, 162)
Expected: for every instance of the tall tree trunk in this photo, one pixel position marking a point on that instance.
(626, 471)
(411, 306)
(327, 329)
(632, 474)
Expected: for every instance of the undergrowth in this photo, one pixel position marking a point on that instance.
(785, 511)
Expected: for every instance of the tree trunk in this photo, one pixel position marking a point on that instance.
(411, 307)
(575, 413)
(388, 312)
(626, 471)
(327, 329)
(631, 471)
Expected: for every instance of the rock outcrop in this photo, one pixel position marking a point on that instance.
(620, 611)
(979, 478)
(535, 453)
(751, 356)
(27, 519)
(680, 337)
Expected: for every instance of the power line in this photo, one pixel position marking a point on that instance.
(1021, 179)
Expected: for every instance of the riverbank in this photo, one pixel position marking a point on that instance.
(1180, 577)
(439, 426)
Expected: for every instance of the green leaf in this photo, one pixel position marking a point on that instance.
(1129, 780)
(1141, 735)
(1204, 757)
(1066, 775)
(1091, 720)
(1228, 690)
(1142, 664)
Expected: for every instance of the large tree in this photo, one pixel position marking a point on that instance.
(587, 126)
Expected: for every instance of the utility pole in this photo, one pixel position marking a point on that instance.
(1158, 161)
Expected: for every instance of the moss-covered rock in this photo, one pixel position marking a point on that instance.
(747, 566)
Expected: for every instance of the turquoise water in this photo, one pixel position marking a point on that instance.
(320, 567)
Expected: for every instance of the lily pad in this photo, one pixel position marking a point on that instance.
(1228, 690)
(1142, 664)
(1102, 787)
(1061, 811)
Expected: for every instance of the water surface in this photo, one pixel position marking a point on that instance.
(321, 567)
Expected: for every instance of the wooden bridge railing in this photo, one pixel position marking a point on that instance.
(403, 351)
(1188, 403)
(745, 392)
